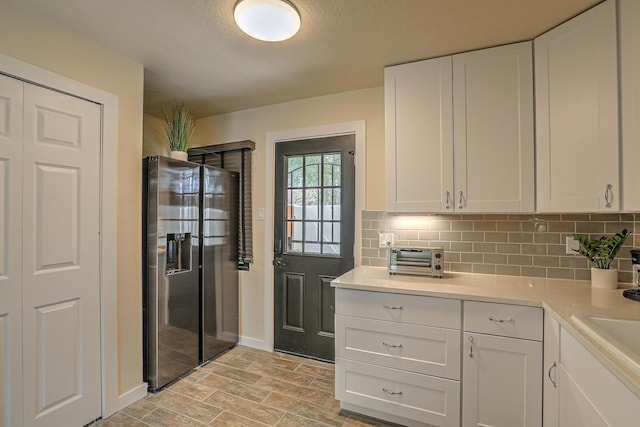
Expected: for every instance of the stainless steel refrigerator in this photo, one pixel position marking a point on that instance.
(190, 277)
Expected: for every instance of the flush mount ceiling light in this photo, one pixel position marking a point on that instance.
(267, 20)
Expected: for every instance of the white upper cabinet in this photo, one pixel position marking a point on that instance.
(577, 114)
(418, 135)
(630, 92)
(493, 129)
(459, 133)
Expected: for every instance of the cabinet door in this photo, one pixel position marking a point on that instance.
(577, 114)
(418, 136)
(550, 381)
(630, 96)
(575, 409)
(502, 382)
(610, 398)
(493, 129)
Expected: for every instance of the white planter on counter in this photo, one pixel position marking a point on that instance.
(604, 278)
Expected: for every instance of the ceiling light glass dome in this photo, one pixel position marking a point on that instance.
(267, 20)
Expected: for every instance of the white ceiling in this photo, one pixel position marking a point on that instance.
(192, 50)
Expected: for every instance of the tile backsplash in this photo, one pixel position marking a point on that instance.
(516, 245)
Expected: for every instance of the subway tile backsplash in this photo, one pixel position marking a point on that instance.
(516, 245)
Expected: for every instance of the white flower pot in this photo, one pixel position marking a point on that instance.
(604, 278)
(179, 155)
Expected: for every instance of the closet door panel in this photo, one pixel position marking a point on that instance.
(11, 104)
(61, 286)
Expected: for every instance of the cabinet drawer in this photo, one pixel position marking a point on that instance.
(422, 349)
(419, 310)
(430, 400)
(506, 320)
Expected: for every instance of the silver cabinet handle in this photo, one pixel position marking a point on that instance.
(446, 200)
(460, 200)
(386, 390)
(493, 319)
(606, 195)
(393, 307)
(470, 346)
(391, 345)
(553, 367)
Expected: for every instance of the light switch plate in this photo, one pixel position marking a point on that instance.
(571, 244)
(385, 240)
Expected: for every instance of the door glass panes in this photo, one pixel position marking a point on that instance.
(313, 204)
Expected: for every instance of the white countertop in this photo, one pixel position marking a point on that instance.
(561, 298)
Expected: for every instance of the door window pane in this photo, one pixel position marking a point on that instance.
(294, 236)
(294, 204)
(332, 169)
(294, 175)
(313, 203)
(312, 170)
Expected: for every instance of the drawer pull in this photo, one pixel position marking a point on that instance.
(493, 319)
(391, 391)
(391, 345)
(393, 307)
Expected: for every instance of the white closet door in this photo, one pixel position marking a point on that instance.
(10, 250)
(61, 288)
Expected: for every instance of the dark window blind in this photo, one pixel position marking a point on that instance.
(236, 157)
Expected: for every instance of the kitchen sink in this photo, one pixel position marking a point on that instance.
(621, 336)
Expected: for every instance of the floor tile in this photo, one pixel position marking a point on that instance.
(245, 408)
(185, 405)
(162, 417)
(318, 397)
(227, 419)
(283, 374)
(246, 387)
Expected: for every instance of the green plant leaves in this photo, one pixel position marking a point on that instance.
(179, 124)
(603, 250)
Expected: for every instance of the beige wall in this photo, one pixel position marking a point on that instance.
(30, 39)
(367, 104)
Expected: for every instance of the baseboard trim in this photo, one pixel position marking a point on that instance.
(254, 343)
(131, 396)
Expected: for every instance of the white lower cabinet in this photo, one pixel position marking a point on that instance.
(398, 357)
(574, 407)
(588, 390)
(550, 379)
(420, 399)
(501, 374)
(502, 385)
(579, 391)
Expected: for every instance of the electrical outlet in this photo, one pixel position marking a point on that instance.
(385, 240)
(571, 244)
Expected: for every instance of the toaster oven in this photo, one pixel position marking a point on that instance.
(421, 261)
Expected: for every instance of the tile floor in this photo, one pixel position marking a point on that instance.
(245, 387)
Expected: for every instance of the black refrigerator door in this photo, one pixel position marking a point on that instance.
(171, 280)
(219, 280)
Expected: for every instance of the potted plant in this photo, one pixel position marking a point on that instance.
(601, 252)
(179, 124)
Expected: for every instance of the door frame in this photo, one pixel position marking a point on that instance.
(357, 128)
(108, 211)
